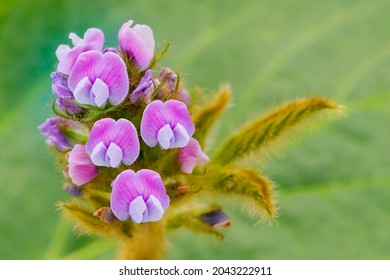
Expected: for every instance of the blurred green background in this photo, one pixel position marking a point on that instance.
(333, 181)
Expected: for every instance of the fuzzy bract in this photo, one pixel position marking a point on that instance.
(113, 142)
(97, 79)
(93, 40)
(191, 156)
(167, 124)
(54, 137)
(81, 170)
(140, 196)
(138, 43)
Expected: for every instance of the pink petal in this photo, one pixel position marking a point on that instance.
(137, 210)
(101, 132)
(152, 121)
(164, 137)
(87, 65)
(114, 74)
(155, 210)
(61, 51)
(138, 42)
(82, 92)
(126, 137)
(178, 113)
(76, 40)
(98, 155)
(150, 183)
(114, 155)
(81, 170)
(93, 40)
(181, 136)
(191, 156)
(123, 193)
(146, 33)
(101, 92)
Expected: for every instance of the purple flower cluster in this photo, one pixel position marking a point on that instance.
(89, 77)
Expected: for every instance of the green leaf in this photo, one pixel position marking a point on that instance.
(261, 133)
(206, 116)
(254, 190)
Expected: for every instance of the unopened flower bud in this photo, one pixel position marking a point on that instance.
(216, 218)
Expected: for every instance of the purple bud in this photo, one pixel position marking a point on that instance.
(64, 95)
(81, 170)
(191, 156)
(54, 137)
(138, 43)
(113, 142)
(144, 89)
(73, 190)
(93, 40)
(169, 79)
(184, 96)
(216, 218)
(97, 79)
(139, 196)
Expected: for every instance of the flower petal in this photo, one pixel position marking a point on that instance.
(138, 42)
(137, 210)
(98, 155)
(191, 156)
(150, 183)
(82, 92)
(126, 137)
(114, 73)
(101, 132)
(155, 210)
(144, 89)
(81, 169)
(93, 40)
(123, 193)
(178, 113)
(181, 136)
(100, 92)
(54, 137)
(165, 136)
(114, 155)
(152, 121)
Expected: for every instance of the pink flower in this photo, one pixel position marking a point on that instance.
(137, 42)
(81, 170)
(97, 79)
(167, 124)
(191, 156)
(93, 40)
(139, 196)
(113, 142)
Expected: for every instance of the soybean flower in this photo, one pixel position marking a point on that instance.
(131, 141)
